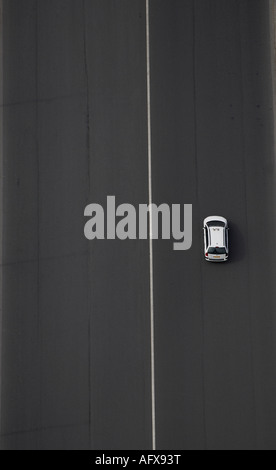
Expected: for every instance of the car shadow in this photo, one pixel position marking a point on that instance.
(237, 245)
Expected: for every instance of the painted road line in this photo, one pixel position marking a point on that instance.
(153, 415)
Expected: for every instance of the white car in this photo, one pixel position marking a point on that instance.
(216, 246)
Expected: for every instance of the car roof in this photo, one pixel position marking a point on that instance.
(216, 236)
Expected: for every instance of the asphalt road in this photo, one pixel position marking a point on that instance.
(76, 364)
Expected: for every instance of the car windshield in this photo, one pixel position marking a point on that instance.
(217, 251)
(216, 223)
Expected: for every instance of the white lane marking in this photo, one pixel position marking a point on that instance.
(153, 415)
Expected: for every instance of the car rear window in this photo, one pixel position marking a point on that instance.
(217, 251)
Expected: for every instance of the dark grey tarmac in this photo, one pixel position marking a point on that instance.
(76, 371)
